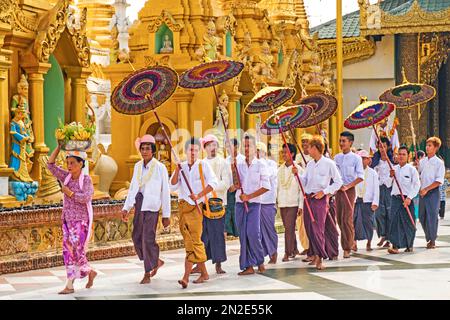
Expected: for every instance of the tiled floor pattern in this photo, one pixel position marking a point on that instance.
(423, 274)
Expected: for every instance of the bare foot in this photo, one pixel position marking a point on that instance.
(346, 254)
(92, 276)
(196, 270)
(273, 258)
(201, 279)
(320, 266)
(308, 259)
(368, 248)
(409, 250)
(183, 283)
(355, 248)
(304, 252)
(379, 244)
(247, 271)
(146, 279)
(313, 261)
(155, 270)
(393, 251)
(285, 258)
(66, 291)
(261, 268)
(219, 269)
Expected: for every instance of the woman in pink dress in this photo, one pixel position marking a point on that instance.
(77, 216)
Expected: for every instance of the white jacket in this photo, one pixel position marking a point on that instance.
(156, 191)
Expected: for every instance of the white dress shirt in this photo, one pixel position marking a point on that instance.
(270, 197)
(431, 170)
(253, 178)
(222, 170)
(193, 175)
(384, 173)
(369, 189)
(155, 190)
(239, 157)
(408, 177)
(350, 166)
(395, 142)
(318, 175)
(289, 192)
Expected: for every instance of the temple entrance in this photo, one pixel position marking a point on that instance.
(163, 151)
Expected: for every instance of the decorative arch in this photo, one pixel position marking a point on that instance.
(165, 20)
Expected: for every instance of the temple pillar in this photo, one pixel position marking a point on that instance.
(407, 57)
(78, 76)
(136, 122)
(233, 106)
(183, 98)
(5, 172)
(36, 73)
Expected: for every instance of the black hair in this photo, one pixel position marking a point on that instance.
(250, 137)
(192, 141)
(151, 144)
(403, 147)
(350, 136)
(386, 140)
(292, 149)
(78, 160)
(420, 154)
(234, 142)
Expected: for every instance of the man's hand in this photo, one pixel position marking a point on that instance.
(294, 170)
(423, 192)
(392, 173)
(125, 215)
(166, 222)
(319, 195)
(299, 212)
(244, 197)
(194, 197)
(407, 202)
(374, 207)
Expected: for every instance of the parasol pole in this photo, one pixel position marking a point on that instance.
(293, 164)
(177, 159)
(395, 177)
(233, 158)
(413, 134)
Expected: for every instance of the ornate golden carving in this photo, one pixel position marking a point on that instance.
(51, 26)
(12, 14)
(416, 20)
(435, 49)
(355, 49)
(77, 30)
(166, 18)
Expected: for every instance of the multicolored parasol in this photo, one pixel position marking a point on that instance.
(368, 113)
(131, 95)
(269, 98)
(210, 74)
(324, 106)
(287, 118)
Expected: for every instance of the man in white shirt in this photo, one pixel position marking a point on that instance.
(383, 213)
(320, 179)
(230, 214)
(254, 182)
(352, 172)
(305, 149)
(367, 199)
(148, 193)
(402, 230)
(269, 236)
(290, 201)
(213, 235)
(191, 220)
(432, 175)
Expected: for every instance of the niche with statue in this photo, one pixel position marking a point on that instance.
(164, 40)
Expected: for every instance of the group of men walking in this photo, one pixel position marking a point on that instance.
(348, 197)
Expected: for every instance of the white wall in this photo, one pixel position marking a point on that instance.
(369, 78)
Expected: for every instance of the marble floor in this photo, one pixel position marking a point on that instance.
(423, 274)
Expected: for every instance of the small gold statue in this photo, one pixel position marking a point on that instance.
(264, 67)
(209, 51)
(167, 45)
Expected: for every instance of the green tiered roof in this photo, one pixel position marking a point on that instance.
(350, 23)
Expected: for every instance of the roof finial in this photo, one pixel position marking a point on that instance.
(362, 99)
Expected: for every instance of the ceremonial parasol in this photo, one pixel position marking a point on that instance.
(145, 90)
(324, 106)
(130, 96)
(268, 99)
(210, 74)
(368, 114)
(407, 95)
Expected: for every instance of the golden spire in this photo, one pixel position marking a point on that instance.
(300, 11)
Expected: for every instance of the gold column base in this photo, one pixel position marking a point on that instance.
(9, 202)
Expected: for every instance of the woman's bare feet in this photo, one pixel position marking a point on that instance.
(379, 244)
(355, 247)
(66, 291)
(308, 259)
(313, 261)
(91, 278)
(346, 254)
(197, 269)
(146, 279)
(261, 268)
(285, 258)
(247, 271)
(369, 246)
(155, 270)
(393, 250)
(219, 269)
(319, 264)
(201, 279)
